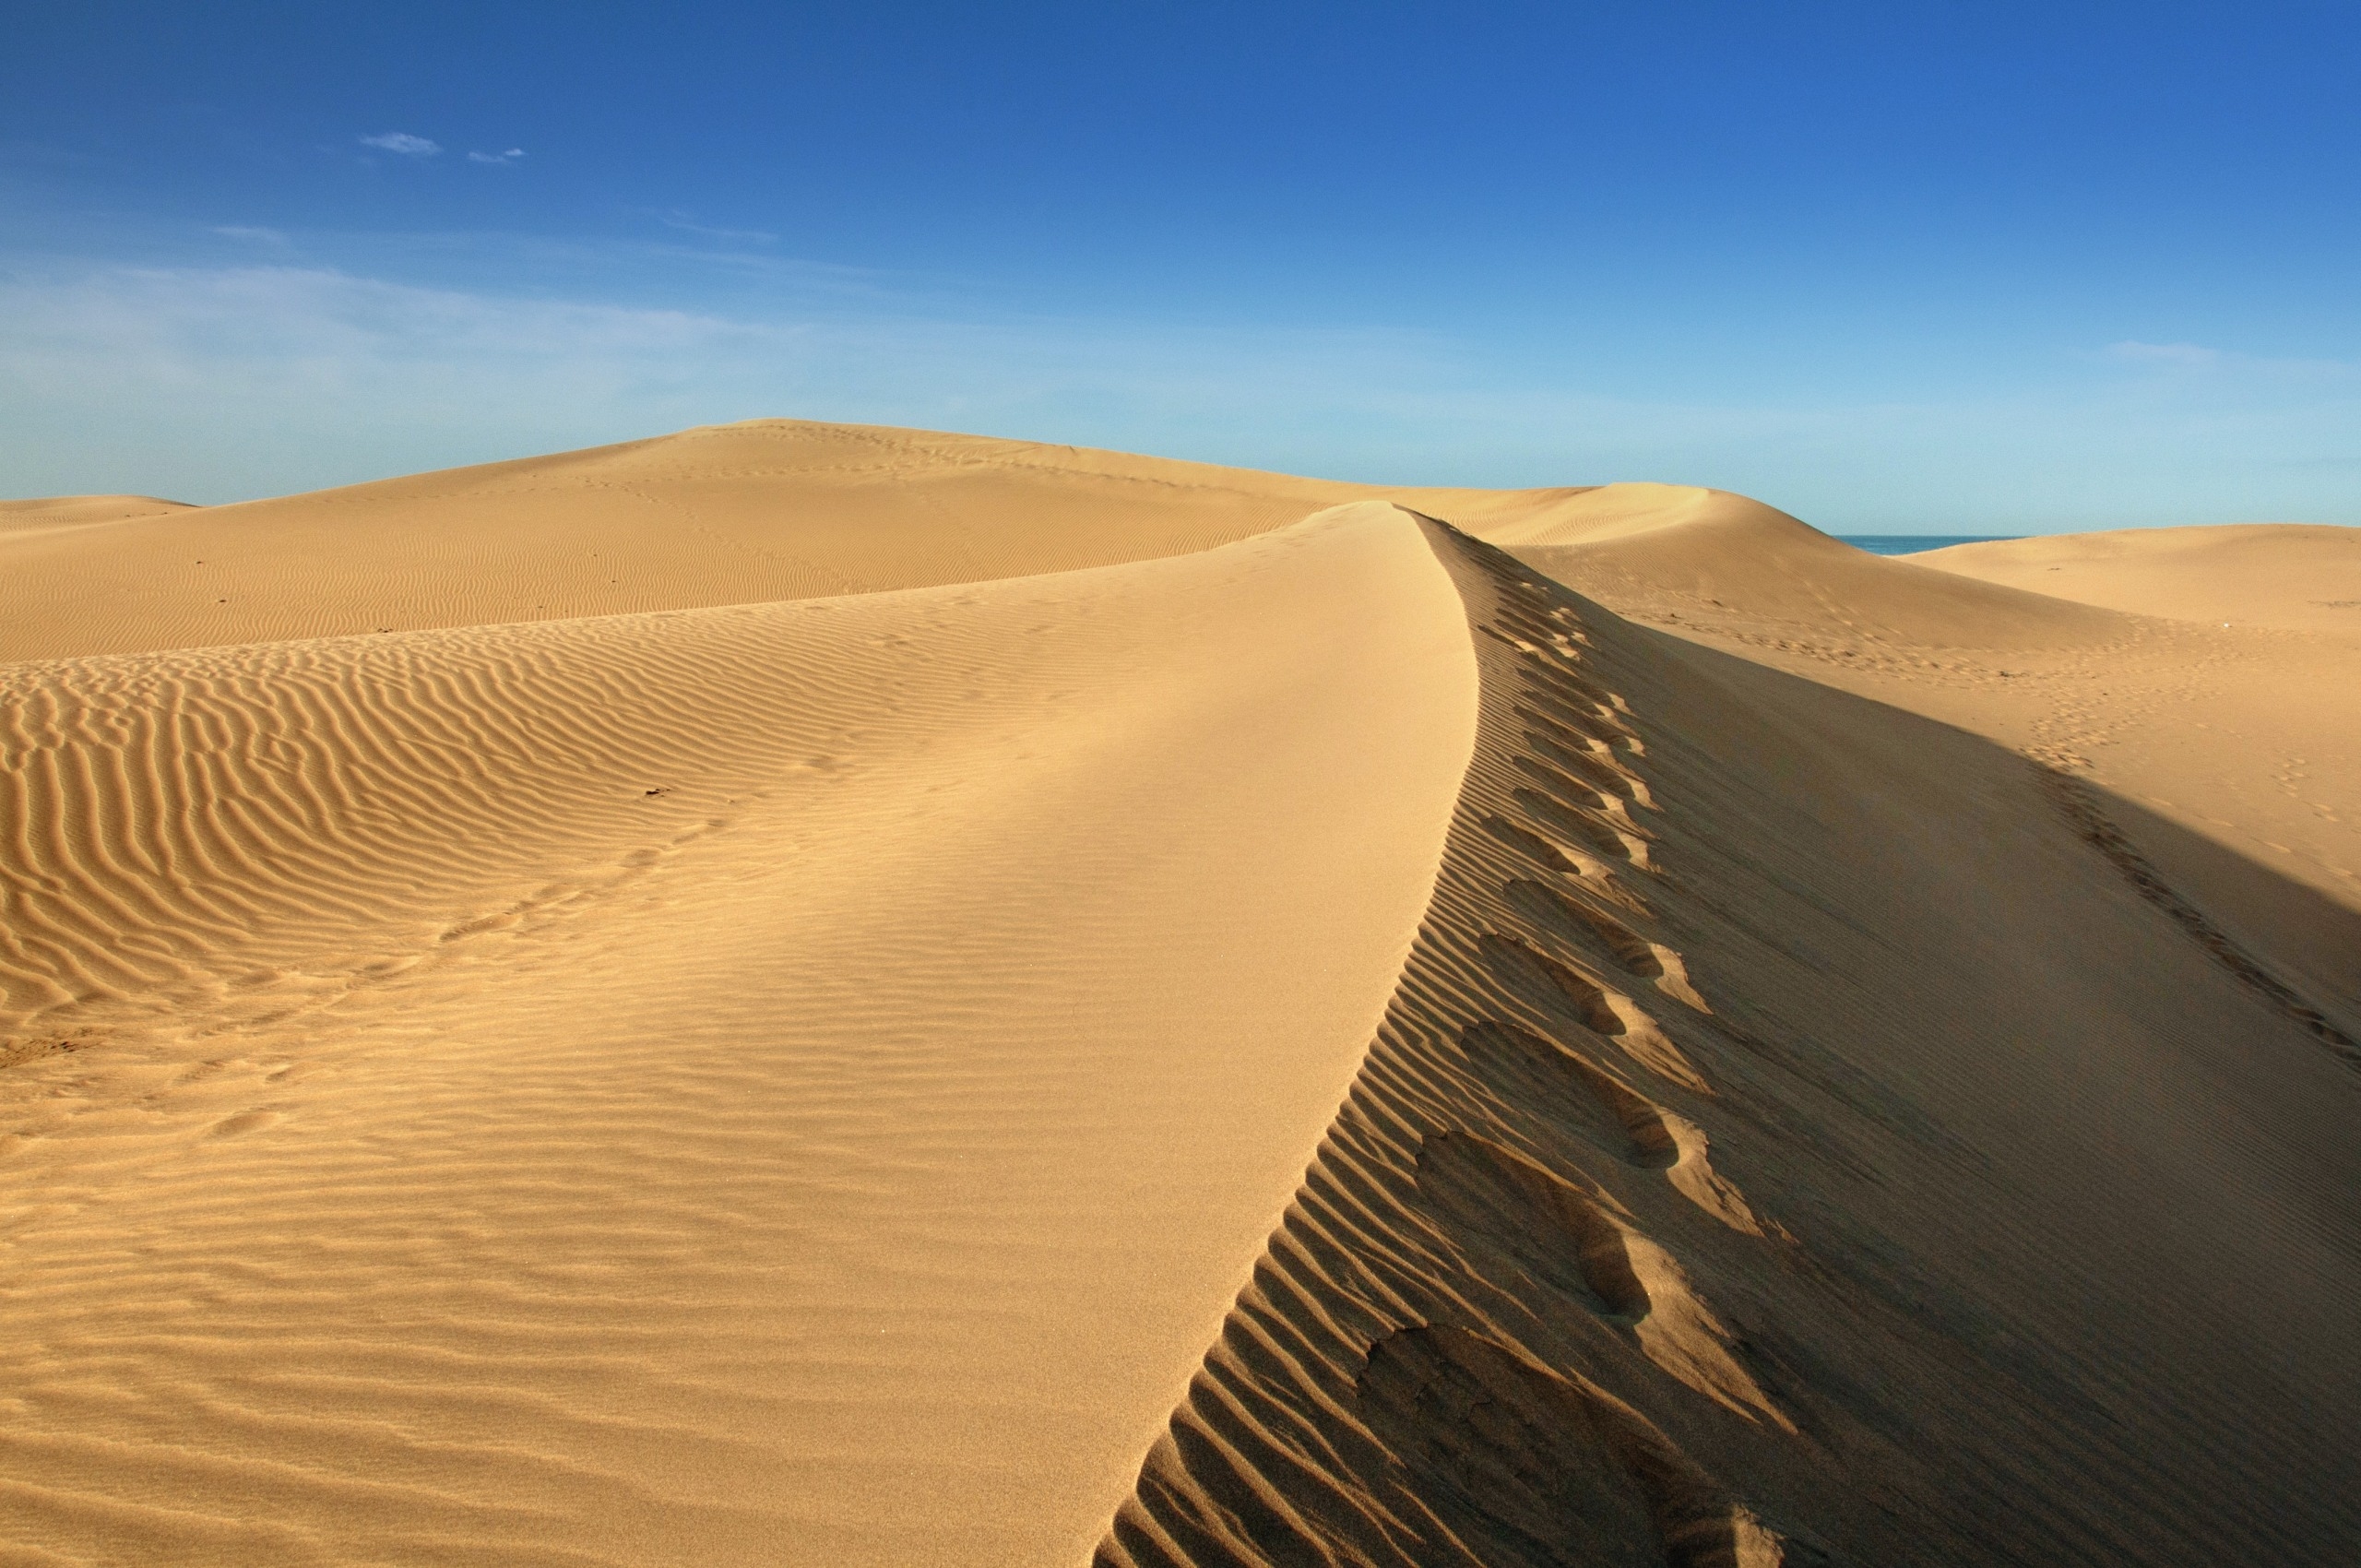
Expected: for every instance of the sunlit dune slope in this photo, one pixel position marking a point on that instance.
(2290, 574)
(798, 1083)
(733, 514)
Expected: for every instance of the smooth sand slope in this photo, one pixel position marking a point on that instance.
(749, 1074)
(735, 513)
(22, 520)
(790, 1083)
(2301, 577)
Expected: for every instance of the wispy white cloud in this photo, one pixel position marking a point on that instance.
(706, 231)
(2183, 355)
(252, 234)
(2227, 365)
(404, 143)
(511, 156)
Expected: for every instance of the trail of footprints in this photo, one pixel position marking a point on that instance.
(1574, 729)
(1406, 1381)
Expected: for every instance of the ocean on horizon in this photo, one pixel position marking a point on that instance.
(1910, 543)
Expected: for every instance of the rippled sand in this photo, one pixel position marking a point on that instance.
(798, 993)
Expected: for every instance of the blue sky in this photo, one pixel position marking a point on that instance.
(1898, 268)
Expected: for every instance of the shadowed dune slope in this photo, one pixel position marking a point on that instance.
(2291, 575)
(1791, 1141)
(796, 1083)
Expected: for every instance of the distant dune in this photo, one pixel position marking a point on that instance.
(735, 514)
(2247, 737)
(1727, 551)
(2260, 574)
(812, 994)
(20, 519)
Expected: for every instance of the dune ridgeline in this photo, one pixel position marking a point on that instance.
(810, 994)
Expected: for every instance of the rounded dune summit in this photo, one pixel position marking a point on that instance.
(737, 513)
(1730, 552)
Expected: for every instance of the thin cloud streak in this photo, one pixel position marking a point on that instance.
(2191, 360)
(747, 236)
(2181, 355)
(404, 143)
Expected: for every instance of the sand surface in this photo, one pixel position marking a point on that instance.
(2243, 740)
(797, 994)
(735, 513)
(2286, 575)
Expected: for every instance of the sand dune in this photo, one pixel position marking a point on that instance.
(737, 514)
(975, 1003)
(1981, 1125)
(2290, 574)
(786, 1084)
(2247, 737)
(68, 510)
(1728, 553)
(22, 520)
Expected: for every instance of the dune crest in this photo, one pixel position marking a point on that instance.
(1732, 558)
(26, 519)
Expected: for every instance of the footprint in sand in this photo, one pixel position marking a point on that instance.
(1595, 721)
(244, 1122)
(1578, 759)
(1636, 954)
(1572, 800)
(1548, 852)
(1552, 1226)
(1574, 822)
(1658, 1139)
(1523, 967)
(1478, 1423)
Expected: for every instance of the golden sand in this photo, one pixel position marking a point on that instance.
(812, 994)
